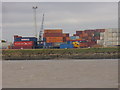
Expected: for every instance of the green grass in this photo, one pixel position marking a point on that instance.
(60, 53)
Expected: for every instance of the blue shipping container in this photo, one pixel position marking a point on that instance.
(44, 39)
(48, 44)
(69, 42)
(74, 37)
(26, 39)
(63, 46)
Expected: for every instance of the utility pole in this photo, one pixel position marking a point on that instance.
(34, 10)
(41, 30)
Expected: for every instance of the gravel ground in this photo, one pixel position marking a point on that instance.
(60, 74)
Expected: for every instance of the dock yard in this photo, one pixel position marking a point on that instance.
(60, 45)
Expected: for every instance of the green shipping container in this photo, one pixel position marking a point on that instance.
(97, 34)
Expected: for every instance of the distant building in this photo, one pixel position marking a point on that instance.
(5, 45)
(109, 38)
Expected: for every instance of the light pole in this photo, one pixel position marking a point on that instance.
(34, 10)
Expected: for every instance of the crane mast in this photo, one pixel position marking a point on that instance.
(42, 27)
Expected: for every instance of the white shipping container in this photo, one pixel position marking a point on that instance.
(101, 34)
(101, 37)
(100, 42)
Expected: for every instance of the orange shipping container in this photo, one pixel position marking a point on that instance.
(89, 38)
(54, 39)
(65, 34)
(81, 36)
(79, 39)
(53, 31)
(52, 35)
(67, 38)
(85, 35)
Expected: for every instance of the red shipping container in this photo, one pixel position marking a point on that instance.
(89, 31)
(65, 34)
(97, 38)
(81, 35)
(82, 44)
(92, 43)
(76, 34)
(19, 36)
(89, 38)
(24, 43)
(65, 39)
(79, 32)
(15, 36)
(100, 30)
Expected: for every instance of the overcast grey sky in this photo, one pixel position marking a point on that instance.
(70, 16)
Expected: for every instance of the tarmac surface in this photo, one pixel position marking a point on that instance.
(60, 74)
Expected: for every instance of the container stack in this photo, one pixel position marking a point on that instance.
(78, 33)
(53, 35)
(109, 38)
(97, 33)
(74, 37)
(24, 42)
(55, 38)
(66, 37)
(91, 36)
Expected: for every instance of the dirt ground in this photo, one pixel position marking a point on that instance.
(60, 74)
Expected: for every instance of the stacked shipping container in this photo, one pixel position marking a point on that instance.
(66, 37)
(56, 37)
(24, 42)
(53, 35)
(109, 37)
(91, 36)
(74, 37)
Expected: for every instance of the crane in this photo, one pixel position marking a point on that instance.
(42, 27)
